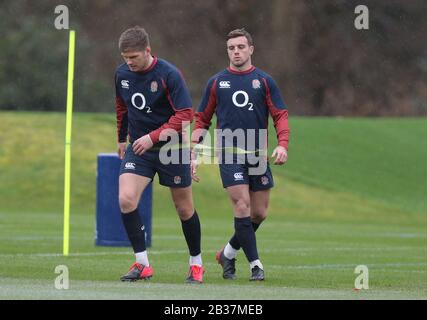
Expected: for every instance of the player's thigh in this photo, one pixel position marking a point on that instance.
(259, 204)
(240, 199)
(131, 187)
(136, 172)
(183, 201)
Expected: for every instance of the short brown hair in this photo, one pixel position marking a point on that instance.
(240, 33)
(134, 39)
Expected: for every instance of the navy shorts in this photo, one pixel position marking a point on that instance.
(148, 164)
(235, 174)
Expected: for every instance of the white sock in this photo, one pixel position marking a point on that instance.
(256, 263)
(142, 258)
(196, 260)
(230, 252)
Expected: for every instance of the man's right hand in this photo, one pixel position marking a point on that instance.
(194, 165)
(121, 148)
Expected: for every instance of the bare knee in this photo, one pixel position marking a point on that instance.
(185, 211)
(127, 203)
(259, 212)
(258, 216)
(241, 206)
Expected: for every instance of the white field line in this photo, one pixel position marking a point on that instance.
(161, 252)
(351, 266)
(294, 249)
(87, 254)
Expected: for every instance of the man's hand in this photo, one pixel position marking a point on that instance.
(194, 165)
(121, 149)
(281, 155)
(142, 144)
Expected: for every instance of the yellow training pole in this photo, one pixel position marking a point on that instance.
(69, 115)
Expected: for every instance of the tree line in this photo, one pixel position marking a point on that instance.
(321, 62)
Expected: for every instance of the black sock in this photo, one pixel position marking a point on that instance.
(246, 235)
(192, 233)
(234, 242)
(135, 230)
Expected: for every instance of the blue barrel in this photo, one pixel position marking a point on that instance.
(109, 225)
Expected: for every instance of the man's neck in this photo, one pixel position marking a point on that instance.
(149, 63)
(242, 68)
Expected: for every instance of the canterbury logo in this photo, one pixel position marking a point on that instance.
(125, 84)
(238, 176)
(130, 165)
(224, 84)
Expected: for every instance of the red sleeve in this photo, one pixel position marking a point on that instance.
(280, 118)
(122, 120)
(206, 110)
(177, 122)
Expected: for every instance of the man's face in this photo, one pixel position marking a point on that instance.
(137, 60)
(239, 51)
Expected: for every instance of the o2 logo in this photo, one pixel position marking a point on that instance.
(140, 99)
(245, 100)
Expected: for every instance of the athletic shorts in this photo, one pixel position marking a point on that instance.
(148, 164)
(235, 174)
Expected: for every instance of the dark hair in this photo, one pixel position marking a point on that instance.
(240, 33)
(133, 39)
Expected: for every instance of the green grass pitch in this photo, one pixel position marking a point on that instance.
(353, 193)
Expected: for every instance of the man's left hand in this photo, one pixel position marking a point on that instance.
(142, 144)
(281, 155)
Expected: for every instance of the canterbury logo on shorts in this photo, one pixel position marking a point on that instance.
(238, 176)
(130, 165)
